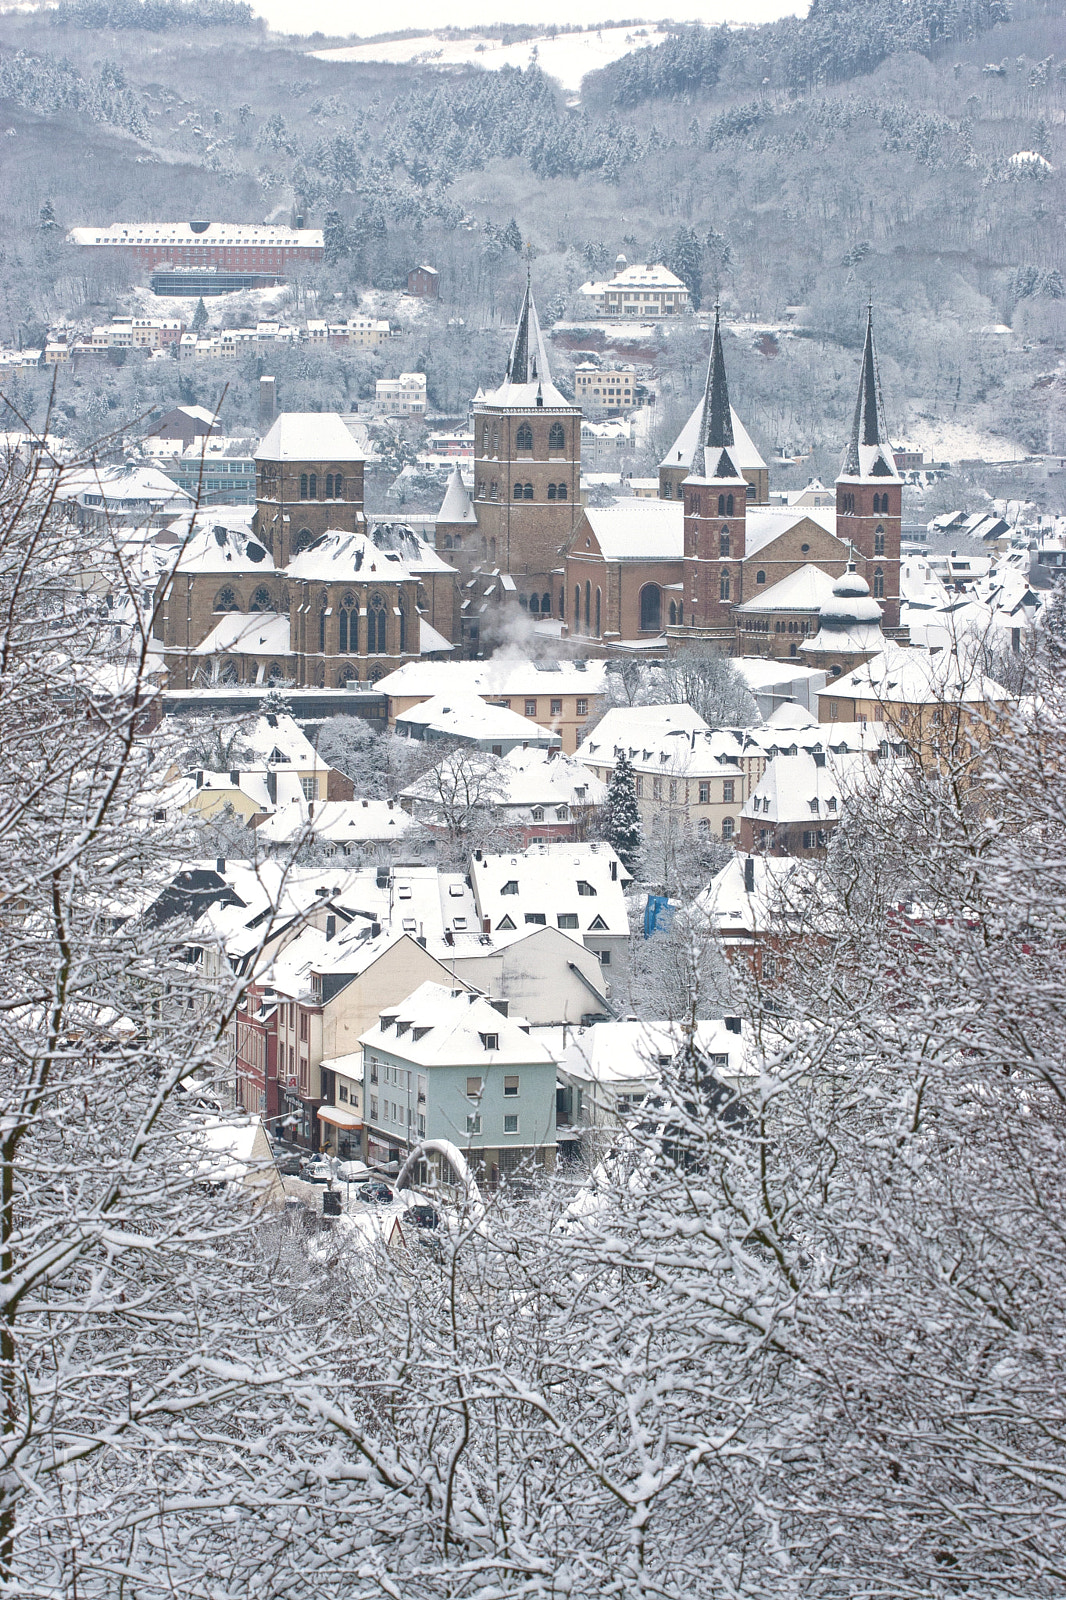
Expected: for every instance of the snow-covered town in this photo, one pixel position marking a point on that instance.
(534, 710)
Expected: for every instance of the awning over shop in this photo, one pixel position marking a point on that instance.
(338, 1117)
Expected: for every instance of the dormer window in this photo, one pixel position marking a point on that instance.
(510, 887)
(490, 1041)
(584, 887)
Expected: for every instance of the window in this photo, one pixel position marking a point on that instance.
(303, 1024)
(348, 625)
(262, 600)
(373, 1108)
(490, 1041)
(598, 597)
(506, 923)
(375, 627)
(473, 1087)
(226, 600)
(303, 485)
(833, 709)
(537, 814)
(510, 1086)
(518, 491)
(879, 542)
(510, 887)
(562, 813)
(312, 486)
(723, 544)
(656, 788)
(556, 437)
(567, 919)
(728, 828)
(562, 492)
(531, 708)
(727, 791)
(723, 586)
(651, 608)
(556, 708)
(551, 491)
(639, 786)
(705, 794)
(524, 437)
(473, 1122)
(760, 577)
(582, 708)
(510, 1124)
(847, 504)
(879, 583)
(604, 957)
(536, 919)
(310, 788)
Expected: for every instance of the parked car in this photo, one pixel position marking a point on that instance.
(352, 1172)
(290, 1166)
(377, 1192)
(318, 1170)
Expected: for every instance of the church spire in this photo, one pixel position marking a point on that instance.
(712, 457)
(528, 361)
(868, 427)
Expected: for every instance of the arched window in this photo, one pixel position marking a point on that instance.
(749, 493)
(338, 486)
(760, 576)
(524, 437)
(518, 491)
(303, 485)
(494, 490)
(651, 608)
(598, 598)
(577, 607)
(721, 505)
(728, 828)
(226, 600)
(262, 599)
(345, 676)
(545, 605)
(534, 604)
(274, 674)
(723, 586)
(458, 541)
(348, 626)
(673, 613)
(302, 540)
(879, 542)
(556, 437)
(495, 438)
(229, 672)
(527, 491)
(562, 603)
(403, 628)
(447, 541)
(551, 491)
(680, 613)
(375, 627)
(484, 438)
(562, 492)
(723, 543)
(588, 605)
(879, 583)
(329, 486)
(847, 504)
(323, 612)
(729, 505)
(312, 486)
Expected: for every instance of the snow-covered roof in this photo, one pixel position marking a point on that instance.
(527, 383)
(806, 589)
(498, 676)
(650, 275)
(340, 822)
(469, 718)
(766, 523)
(247, 633)
(915, 676)
(742, 449)
(630, 1054)
(849, 620)
(430, 642)
(457, 506)
(731, 909)
(124, 235)
(220, 541)
(279, 740)
(549, 881)
(795, 789)
(338, 555)
(442, 1027)
(309, 436)
(121, 486)
(638, 530)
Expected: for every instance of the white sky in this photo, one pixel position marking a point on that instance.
(349, 16)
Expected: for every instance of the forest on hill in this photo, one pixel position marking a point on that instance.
(869, 150)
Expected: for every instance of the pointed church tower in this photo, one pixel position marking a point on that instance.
(715, 494)
(870, 490)
(527, 469)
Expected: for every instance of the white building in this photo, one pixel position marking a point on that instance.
(637, 291)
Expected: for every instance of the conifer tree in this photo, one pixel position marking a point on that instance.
(199, 317)
(620, 817)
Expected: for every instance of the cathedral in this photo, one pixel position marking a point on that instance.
(299, 591)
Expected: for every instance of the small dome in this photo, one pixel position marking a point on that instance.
(851, 603)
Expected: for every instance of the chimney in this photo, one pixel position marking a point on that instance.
(500, 1005)
(220, 864)
(819, 758)
(234, 777)
(199, 780)
(486, 924)
(614, 871)
(268, 402)
(749, 874)
(331, 928)
(272, 786)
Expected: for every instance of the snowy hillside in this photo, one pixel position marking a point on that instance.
(566, 57)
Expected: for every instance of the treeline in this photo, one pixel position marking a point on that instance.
(49, 85)
(837, 40)
(155, 16)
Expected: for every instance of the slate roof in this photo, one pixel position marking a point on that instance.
(869, 454)
(527, 383)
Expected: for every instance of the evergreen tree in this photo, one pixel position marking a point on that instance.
(335, 240)
(620, 818)
(199, 317)
(686, 260)
(512, 236)
(47, 219)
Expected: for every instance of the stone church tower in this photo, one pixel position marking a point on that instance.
(527, 470)
(716, 499)
(870, 491)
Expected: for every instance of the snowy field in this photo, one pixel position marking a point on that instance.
(567, 57)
